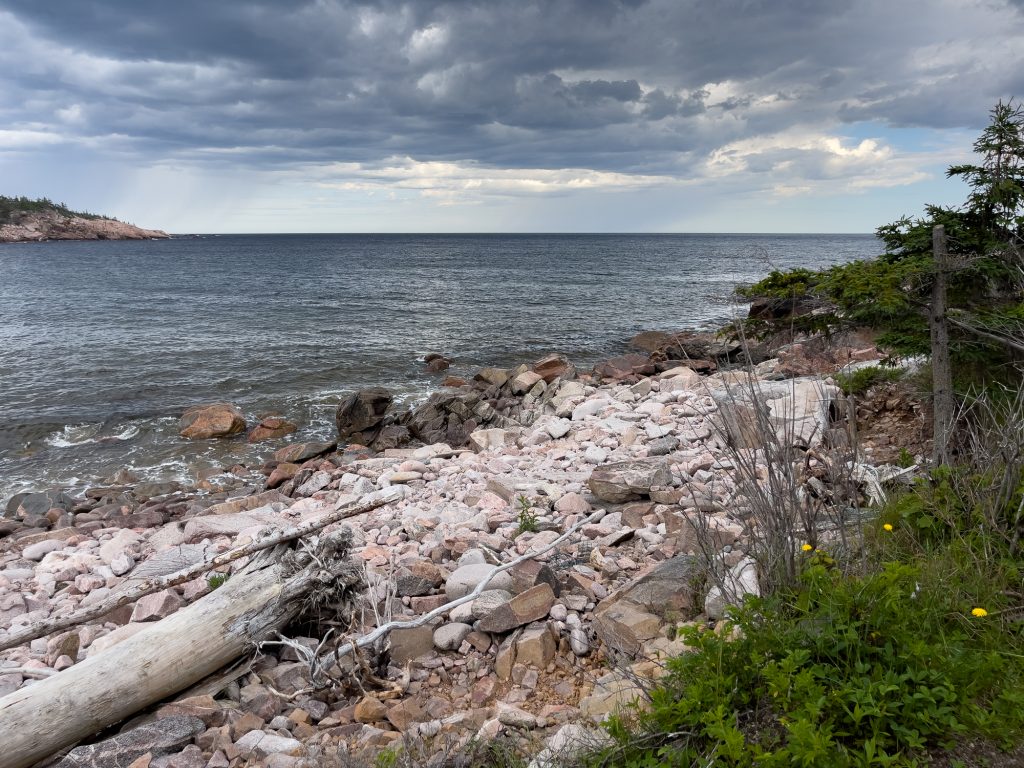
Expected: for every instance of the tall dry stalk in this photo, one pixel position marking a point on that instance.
(792, 483)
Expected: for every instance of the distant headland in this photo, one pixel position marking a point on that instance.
(24, 220)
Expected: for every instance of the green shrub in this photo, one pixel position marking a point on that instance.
(845, 671)
(859, 381)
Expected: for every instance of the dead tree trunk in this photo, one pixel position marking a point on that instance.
(168, 656)
(151, 585)
(942, 374)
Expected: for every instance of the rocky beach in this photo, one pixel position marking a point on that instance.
(579, 510)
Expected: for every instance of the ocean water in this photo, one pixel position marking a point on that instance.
(104, 344)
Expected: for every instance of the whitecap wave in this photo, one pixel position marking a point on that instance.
(74, 435)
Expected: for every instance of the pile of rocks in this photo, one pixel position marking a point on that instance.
(512, 460)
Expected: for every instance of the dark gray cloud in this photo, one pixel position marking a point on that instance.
(644, 86)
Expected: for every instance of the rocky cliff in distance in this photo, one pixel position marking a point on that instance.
(36, 222)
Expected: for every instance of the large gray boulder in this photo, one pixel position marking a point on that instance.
(360, 415)
(447, 417)
(628, 618)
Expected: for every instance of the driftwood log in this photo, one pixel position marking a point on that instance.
(148, 586)
(159, 661)
(176, 652)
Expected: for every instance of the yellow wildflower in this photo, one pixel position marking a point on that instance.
(887, 527)
(806, 547)
(979, 612)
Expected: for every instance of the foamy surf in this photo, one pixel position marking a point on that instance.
(74, 435)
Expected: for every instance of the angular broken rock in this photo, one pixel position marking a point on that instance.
(535, 647)
(668, 586)
(264, 744)
(157, 606)
(165, 736)
(316, 482)
(487, 601)
(409, 584)
(525, 381)
(410, 643)
(552, 367)
(739, 582)
(530, 573)
(300, 452)
(370, 710)
(625, 627)
(493, 376)
(487, 440)
(531, 605)
(628, 480)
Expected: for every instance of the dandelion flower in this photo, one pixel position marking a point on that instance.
(887, 527)
(979, 613)
(806, 547)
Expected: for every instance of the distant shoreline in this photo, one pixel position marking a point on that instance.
(53, 224)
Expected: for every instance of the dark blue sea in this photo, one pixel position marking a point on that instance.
(103, 344)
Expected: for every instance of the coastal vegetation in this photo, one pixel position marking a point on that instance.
(23, 219)
(891, 294)
(901, 644)
(12, 205)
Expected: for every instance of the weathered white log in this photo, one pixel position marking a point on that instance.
(166, 657)
(156, 584)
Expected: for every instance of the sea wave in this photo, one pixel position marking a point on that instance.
(73, 435)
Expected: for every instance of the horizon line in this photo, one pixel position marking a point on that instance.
(507, 234)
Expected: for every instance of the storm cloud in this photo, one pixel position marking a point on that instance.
(458, 99)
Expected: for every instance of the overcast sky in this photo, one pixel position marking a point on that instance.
(570, 115)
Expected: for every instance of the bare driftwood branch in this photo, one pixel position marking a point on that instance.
(155, 584)
(164, 658)
(28, 671)
(172, 654)
(326, 660)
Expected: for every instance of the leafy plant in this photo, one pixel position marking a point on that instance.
(526, 518)
(217, 579)
(845, 671)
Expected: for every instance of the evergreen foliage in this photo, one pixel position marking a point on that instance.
(890, 293)
(12, 205)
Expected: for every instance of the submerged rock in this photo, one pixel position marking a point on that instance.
(270, 428)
